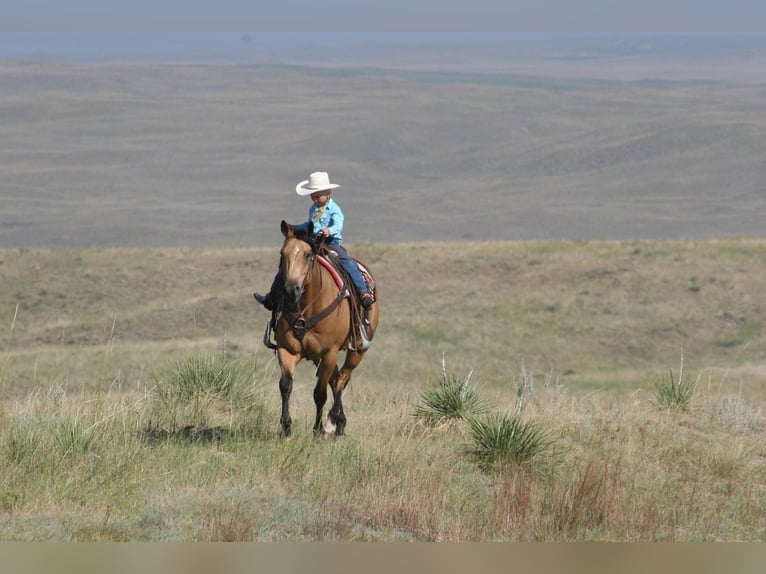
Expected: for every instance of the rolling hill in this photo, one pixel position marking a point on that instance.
(141, 155)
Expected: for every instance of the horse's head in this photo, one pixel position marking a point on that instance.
(296, 261)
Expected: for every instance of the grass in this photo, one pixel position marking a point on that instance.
(496, 441)
(503, 440)
(675, 394)
(202, 392)
(451, 399)
(149, 410)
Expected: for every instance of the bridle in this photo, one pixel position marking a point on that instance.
(299, 323)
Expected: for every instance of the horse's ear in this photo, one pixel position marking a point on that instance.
(287, 229)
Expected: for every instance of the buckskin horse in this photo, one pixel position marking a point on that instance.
(320, 318)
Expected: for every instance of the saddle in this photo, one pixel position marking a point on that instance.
(361, 330)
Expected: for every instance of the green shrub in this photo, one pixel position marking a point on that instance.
(204, 375)
(503, 440)
(672, 394)
(452, 398)
(201, 393)
(73, 436)
(23, 441)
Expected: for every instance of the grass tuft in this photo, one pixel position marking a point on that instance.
(73, 436)
(23, 442)
(672, 394)
(451, 399)
(227, 525)
(203, 392)
(503, 440)
(204, 375)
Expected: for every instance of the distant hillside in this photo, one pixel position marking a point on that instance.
(209, 155)
(739, 58)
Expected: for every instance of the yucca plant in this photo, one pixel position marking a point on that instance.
(672, 394)
(23, 441)
(202, 389)
(503, 440)
(452, 398)
(204, 375)
(74, 436)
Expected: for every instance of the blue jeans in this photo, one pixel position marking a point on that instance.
(345, 259)
(349, 265)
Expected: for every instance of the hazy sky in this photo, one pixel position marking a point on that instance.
(557, 16)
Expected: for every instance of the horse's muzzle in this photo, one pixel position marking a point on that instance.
(294, 292)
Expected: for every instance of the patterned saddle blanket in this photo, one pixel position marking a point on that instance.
(331, 262)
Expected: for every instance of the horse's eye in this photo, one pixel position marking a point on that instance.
(307, 256)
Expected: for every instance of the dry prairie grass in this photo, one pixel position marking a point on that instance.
(586, 326)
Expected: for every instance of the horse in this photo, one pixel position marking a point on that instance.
(316, 323)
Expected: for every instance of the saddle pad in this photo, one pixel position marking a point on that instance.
(366, 275)
(336, 277)
(368, 278)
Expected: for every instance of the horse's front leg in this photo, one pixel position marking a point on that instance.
(287, 364)
(327, 372)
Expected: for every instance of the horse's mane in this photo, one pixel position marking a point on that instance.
(307, 236)
(303, 235)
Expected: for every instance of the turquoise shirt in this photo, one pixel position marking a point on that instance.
(332, 218)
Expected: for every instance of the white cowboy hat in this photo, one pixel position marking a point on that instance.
(317, 181)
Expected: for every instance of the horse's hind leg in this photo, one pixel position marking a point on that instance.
(327, 372)
(336, 415)
(287, 364)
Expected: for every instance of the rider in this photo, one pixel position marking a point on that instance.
(327, 218)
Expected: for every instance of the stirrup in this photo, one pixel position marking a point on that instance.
(365, 341)
(267, 335)
(362, 326)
